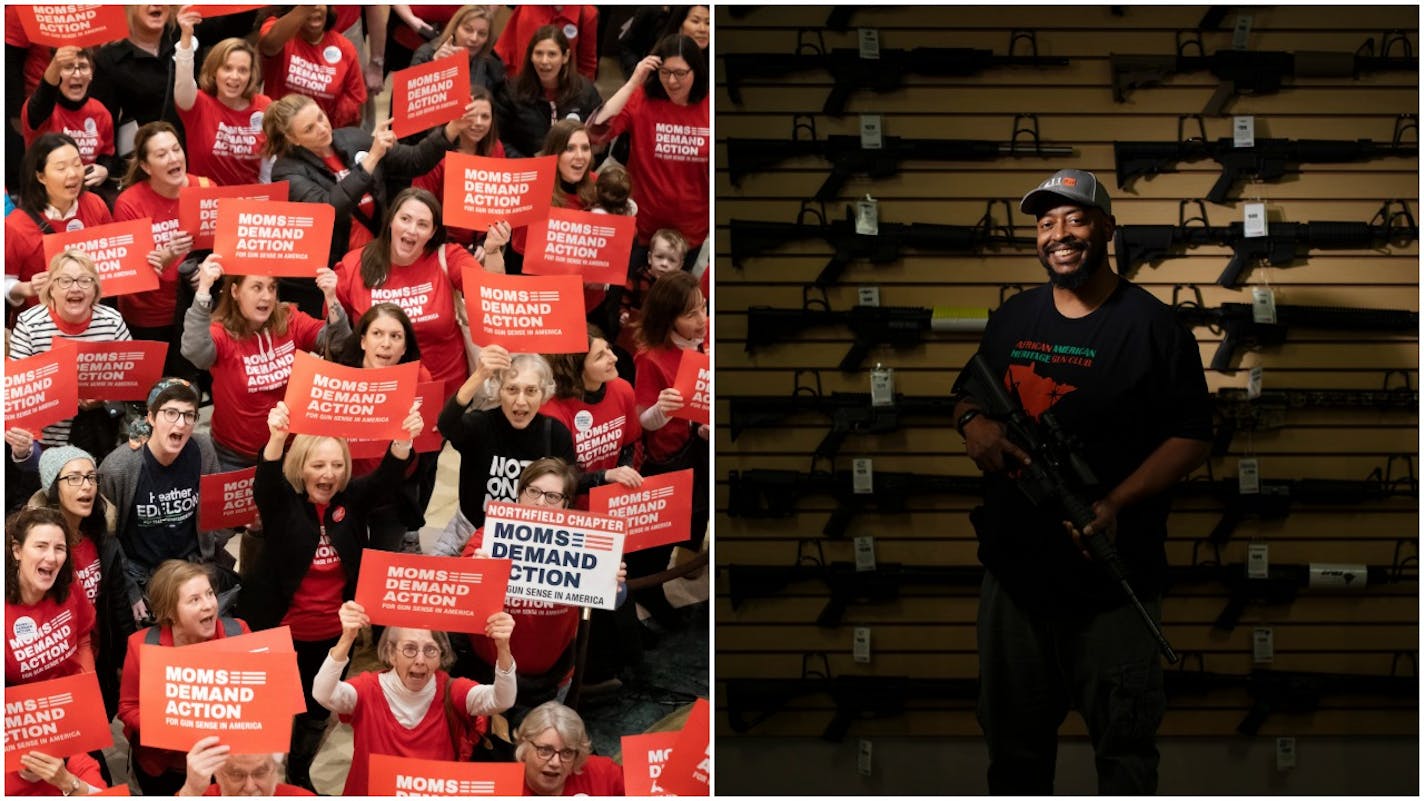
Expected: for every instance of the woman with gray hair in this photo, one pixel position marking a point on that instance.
(413, 708)
(558, 755)
(496, 444)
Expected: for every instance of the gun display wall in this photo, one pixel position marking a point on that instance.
(841, 261)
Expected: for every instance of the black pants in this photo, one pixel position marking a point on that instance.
(1032, 669)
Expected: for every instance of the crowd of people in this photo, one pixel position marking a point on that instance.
(104, 527)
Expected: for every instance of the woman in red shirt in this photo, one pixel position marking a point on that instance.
(185, 612)
(664, 109)
(674, 321)
(575, 185)
(598, 409)
(411, 265)
(481, 139)
(156, 176)
(48, 621)
(221, 111)
(249, 344)
(62, 104)
(302, 54)
(558, 757)
(52, 199)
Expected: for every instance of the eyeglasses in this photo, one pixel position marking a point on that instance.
(536, 494)
(171, 415)
(546, 752)
(410, 650)
(84, 281)
(678, 74)
(80, 479)
(241, 778)
(76, 69)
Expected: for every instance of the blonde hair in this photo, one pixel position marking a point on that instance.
(85, 263)
(296, 459)
(465, 12)
(277, 119)
(208, 75)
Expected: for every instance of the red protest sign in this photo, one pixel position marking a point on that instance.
(257, 237)
(443, 593)
(124, 370)
(59, 717)
(267, 641)
(526, 313)
(186, 694)
(335, 400)
(119, 250)
(198, 206)
(225, 500)
(40, 390)
(480, 190)
(644, 756)
(432, 396)
(657, 513)
(690, 763)
(694, 381)
(393, 775)
(84, 25)
(222, 11)
(569, 242)
(430, 94)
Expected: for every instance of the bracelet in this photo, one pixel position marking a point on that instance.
(379, 61)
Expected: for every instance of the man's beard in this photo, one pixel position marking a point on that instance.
(1094, 259)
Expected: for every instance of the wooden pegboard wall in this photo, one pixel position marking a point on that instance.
(929, 633)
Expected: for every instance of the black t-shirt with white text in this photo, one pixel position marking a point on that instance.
(164, 524)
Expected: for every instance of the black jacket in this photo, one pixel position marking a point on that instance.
(136, 86)
(524, 123)
(292, 535)
(311, 181)
(486, 71)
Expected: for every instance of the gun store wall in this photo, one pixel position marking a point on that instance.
(850, 617)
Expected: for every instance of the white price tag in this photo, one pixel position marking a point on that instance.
(882, 386)
(1254, 221)
(1263, 304)
(867, 216)
(1243, 131)
(869, 296)
(1253, 383)
(1248, 476)
(870, 132)
(864, 554)
(1258, 561)
(862, 477)
(1263, 645)
(862, 760)
(1242, 33)
(869, 43)
(1285, 753)
(862, 644)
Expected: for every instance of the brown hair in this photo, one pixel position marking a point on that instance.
(376, 255)
(136, 173)
(673, 237)
(164, 584)
(485, 146)
(614, 185)
(555, 142)
(568, 368)
(277, 119)
(386, 646)
(17, 530)
(228, 313)
(551, 466)
(527, 85)
(208, 75)
(669, 298)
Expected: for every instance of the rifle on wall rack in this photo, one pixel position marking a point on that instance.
(1237, 411)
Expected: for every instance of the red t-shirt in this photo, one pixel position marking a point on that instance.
(250, 376)
(42, 641)
(91, 126)
(579, 24)
(668, 161)
(85, 556)
(24, 241)
(360, 234)
(656, 369)
(328, 72)
(375, 730)
(542, 630)
(599, 776)
(153, 760)
(434, 183)
(362, 467)
(282, 789)
(600, 429)
(154, 308)
(37, 57)
(224, 143)
(82, 766)
(427, 297)
(312, 612)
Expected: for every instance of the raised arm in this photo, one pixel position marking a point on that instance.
(487, 699)
(282, 31)
(185, 88)
(327, 688)
(197, 343)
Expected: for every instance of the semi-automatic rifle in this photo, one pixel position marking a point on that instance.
(1237, 411)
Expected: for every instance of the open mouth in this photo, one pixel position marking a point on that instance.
(175, 439)
(46, 574)
(207, 620)
(176, 171)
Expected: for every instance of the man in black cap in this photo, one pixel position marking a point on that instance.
(1125, 377)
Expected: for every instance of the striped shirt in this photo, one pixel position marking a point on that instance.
(34, 333)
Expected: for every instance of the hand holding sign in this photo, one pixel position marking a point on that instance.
(279, 420)
(204, 759)
(208, 273)
(626, 476)
(670, 400)
(41, 767)
(353, 619)
(326, 282)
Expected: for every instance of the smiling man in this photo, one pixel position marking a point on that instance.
(1124, 377)
(154, 486)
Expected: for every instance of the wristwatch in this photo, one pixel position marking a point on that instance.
(965, 418)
